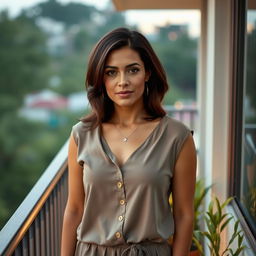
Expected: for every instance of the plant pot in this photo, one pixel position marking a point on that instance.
(194, 253)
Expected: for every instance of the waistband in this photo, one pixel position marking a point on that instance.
(138, 249)
(144, 248)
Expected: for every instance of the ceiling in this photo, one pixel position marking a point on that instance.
(122, 5)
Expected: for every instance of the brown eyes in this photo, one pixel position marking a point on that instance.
(134, 70)
(110, 72)
(113, 72)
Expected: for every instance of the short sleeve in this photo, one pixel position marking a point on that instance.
(74, 133)
(78, 133)
(183, 135)
(177, 133)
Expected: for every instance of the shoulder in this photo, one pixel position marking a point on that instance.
(177, 133)
(80, 126)
(176, 127)
(80, 131)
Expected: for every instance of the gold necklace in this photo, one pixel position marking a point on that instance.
(125, 138)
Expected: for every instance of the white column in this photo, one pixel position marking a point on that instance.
(214, 96)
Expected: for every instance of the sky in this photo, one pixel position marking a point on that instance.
(142, 18)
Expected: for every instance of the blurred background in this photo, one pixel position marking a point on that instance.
(43, 58)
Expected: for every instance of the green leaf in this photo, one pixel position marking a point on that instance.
(232, 239)
(239, 250)
(199, 198)
(198, 245)
(219, 210)
(210, 208)
(236, 226)
(232, 253)
(240, 239)
(225, 223)
(211, 223)
(209, 237)
(227, 202)
(224, 216)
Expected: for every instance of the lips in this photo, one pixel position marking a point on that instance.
(124, 92)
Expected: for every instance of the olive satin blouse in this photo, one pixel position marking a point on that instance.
(126, 209)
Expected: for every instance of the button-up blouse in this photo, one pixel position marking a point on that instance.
(128, 207)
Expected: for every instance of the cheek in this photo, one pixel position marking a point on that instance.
(109, 88)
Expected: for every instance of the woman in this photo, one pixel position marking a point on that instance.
(126, 157)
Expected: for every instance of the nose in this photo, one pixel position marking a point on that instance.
(123, 79)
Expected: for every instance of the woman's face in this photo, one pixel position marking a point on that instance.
(124, 77)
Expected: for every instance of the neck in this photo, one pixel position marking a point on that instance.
(127, 116)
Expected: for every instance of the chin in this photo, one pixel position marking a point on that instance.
(128, 102)
(124, 104)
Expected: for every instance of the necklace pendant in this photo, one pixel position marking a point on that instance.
(125, 139)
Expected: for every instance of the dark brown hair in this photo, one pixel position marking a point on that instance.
(102, 106)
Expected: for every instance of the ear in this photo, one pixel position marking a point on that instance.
(147, 76)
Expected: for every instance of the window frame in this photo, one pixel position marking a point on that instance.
(237, 92)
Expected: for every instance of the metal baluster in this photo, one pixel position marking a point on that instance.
(31, 233)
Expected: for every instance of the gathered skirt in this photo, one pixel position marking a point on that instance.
(137, 249)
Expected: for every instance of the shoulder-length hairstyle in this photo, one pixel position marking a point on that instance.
(102, 106)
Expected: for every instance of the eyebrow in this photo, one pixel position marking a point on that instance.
(130, 65)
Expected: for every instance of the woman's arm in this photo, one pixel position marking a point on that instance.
(74, 208)
(183, 198)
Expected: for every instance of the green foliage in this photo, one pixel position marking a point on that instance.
(111, 20)
(71, 71)
(69, 14)
(216, 222)
(26, 150)
(200, 193)
(179, 58)
(82, 40)
(22, 58)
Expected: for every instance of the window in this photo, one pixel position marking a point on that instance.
(247, 193)
(243, 128)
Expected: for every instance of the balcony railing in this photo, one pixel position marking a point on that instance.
(187, 115)
(35, 227)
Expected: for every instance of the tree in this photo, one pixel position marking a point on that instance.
(69, 14)
(22, 63)
(22, 60)
(179, 58)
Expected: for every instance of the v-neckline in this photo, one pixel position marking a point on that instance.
(103, 140)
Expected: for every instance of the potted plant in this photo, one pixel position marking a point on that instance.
(200, 193)
(216, 222)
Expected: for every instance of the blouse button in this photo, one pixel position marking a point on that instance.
(118, 234)
(122, 202)
(120, 218)
(119, 184)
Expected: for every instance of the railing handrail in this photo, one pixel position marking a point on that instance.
(15, 228)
